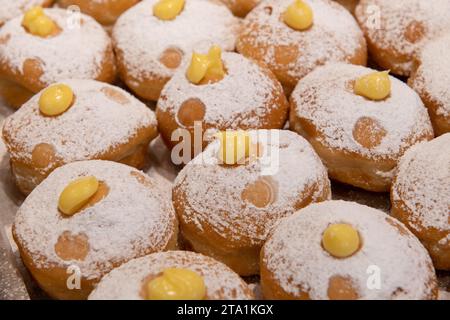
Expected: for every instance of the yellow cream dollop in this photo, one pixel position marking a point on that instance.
(177, 284)
(55, 100)
(77, 194)
(299, 15)
(341, 240)
(206, 66)
(168, 9)
(38, 23)
(374, 86)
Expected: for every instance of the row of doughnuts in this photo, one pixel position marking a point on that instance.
(360, 147)
(107, 11)
(146, 61)
(97, 216)
(230, 211)
(359, 140)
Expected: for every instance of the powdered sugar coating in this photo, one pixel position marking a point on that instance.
(387, 22)
(334, 35)
(213, 191)
(142, 37)
(433, 75)
(241, 99)
(295, 256)
(132, 220)
(78, 51)
(125, 282)
(423, 184)
(326, 98)
(12, 8)
(94, 124)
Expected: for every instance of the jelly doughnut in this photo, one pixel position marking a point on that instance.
(420, 196)
(341, 250)
(76, 120)
(87, 218)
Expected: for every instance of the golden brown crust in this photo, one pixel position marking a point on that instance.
(430, 237)
(53, 279)
(386, 58)
(440, 121)
(348, 166)
(350, 5)
(29, 79)
(28, 173)
(13, 94)
(148, 86)
(285, 55)
(240, 8)
(105, 12)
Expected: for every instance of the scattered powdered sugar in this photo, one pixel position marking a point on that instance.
(423, 183)
(213, 191)
(334, 35)
(326, 98)
(126, 282)
(143, 38)
(433, 74)
(294, 254)
(12, 8)
(77, 52)
(94, 124)
(388, 21)
(241, 99)
(133, 217)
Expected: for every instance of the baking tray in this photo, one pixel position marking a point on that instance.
(16, 282)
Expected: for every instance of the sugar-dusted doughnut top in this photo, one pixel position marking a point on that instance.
(423, 185)
(403, 26)
(242, 99)
(432, 78)
(12, 8)
(221, 197)
(78, 51)
(102, 117)
(142, 38)
(343, 119)
(126, 282)
(135, 218)
(334, 35)
(297, 260)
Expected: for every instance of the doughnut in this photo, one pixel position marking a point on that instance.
(226, 210)
(420, 196)
(248, 97)
(332, 36)
(359, 139)
(337, 250)
(132, 280)
(147, 60)
(101, 122)
(127, 216)
(430, 79)
(396, 30)
(241, 8)
(105, 12)
(30, 62)
(11, 9)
